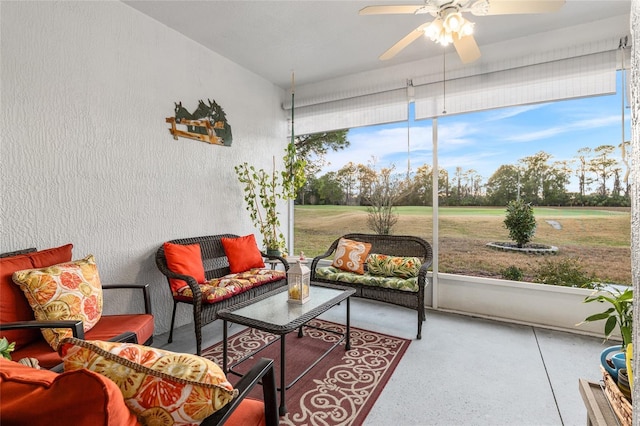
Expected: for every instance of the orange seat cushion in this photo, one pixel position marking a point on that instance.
(13, 303)
(112, 325)
(40, 350)
(108, 327)
(250, 412)
(41, 397)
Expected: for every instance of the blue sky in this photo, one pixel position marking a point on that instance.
(485, 140)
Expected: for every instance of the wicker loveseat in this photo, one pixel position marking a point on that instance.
(216, 265)
(405, 290)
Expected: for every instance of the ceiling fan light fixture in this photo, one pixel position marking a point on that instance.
(466, 29)
(445, 38)
(433, 30)
(453, 22)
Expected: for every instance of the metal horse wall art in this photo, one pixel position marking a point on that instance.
(208, 123)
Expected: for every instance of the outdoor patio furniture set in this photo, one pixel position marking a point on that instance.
(215, 274)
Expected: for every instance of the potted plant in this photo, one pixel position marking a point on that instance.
(6, 348)
(263, 189)
(620, 315)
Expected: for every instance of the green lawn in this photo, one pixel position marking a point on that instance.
(598, 237)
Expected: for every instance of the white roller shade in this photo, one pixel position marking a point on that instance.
(506, 75)
(387, 107)
(587, 75)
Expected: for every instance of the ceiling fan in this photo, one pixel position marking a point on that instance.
(449, 26)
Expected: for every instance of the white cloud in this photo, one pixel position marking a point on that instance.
(483, 141)
(576, 126)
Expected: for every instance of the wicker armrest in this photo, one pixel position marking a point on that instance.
(316, 260)
(191, 282)
(263, 372)
(140, 286)
(74, 325)
(280, 258)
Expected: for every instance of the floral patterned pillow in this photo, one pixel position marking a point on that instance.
(351, 255)
(393, 266)
(66, 291)
(159, 387)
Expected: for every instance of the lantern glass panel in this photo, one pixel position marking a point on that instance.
(299, 279)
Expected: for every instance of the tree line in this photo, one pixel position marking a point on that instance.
(536, 179)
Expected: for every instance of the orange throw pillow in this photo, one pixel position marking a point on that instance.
(351, 255)
(52, 256)
(42, 397)
(13, 303)
(243, 253)
(184, 260)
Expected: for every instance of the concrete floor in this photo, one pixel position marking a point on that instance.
(464, 371)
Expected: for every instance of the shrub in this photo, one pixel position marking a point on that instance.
(512, 273)
(520, 222)
(565, 272)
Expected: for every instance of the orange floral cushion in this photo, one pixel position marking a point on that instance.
(66, 291)
(351, 255)
(158, 386)
(222, 288)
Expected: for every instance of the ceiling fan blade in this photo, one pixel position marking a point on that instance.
(467, 49)
(512, 7)
(404, 42)
(395, 9)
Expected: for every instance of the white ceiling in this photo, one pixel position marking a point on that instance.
(320, 40)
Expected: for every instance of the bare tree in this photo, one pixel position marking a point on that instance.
(602, 165)
(583, 158)
(386, 191)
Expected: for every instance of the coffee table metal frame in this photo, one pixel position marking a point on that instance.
(260, 314)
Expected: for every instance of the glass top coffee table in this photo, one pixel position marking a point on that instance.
(272, 313)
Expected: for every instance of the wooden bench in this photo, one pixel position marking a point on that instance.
(377, 289)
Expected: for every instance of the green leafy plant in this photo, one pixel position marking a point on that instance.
(512, 273)
(520, 222)
(565, 272)
(6, 348)
(619, 314)
(263, 190)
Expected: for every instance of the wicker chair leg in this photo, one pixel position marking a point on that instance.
(173, 321)
(197, 324)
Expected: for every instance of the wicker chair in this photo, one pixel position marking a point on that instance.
(216, 265)
(392, 245)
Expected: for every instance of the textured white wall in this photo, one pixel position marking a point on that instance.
(86, 156)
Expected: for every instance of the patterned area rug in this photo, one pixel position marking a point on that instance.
(340, 389)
